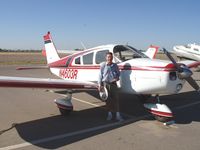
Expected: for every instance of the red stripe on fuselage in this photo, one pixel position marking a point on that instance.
(59, 63)
(148, 68)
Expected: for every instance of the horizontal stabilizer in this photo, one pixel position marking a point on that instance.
(33, 67)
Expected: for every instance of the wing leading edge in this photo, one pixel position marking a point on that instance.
(190, 63)
(22, 82)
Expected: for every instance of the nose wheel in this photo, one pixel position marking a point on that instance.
(64, 112)
(162, 118)
(161, 112)
(64, 104)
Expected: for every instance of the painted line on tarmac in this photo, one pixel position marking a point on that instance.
(74, 98)
(35, 142)
(186, 106)
(95, 105)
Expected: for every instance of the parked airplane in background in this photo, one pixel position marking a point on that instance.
(140, 75)
(190, 51)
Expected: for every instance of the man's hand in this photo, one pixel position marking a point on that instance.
(115, 79)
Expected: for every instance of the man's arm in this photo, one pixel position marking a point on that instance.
(101, 76)
(117, 73)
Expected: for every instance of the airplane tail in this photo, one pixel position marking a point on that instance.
(151, 51)
(50, 50)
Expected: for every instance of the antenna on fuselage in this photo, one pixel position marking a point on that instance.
(82, 44)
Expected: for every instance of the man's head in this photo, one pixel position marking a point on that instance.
(109, 57)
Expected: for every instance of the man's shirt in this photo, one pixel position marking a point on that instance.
(108, 72)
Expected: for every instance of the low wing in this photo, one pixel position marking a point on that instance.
(190, 63)
(22, 82)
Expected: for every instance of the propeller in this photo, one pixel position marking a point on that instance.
(183, 71)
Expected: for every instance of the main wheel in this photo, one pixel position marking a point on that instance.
(65, 112)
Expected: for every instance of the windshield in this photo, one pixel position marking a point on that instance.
(125, 52)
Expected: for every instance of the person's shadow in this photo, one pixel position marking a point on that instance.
(125, 79)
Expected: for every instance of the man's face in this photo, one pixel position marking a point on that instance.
(109, 58)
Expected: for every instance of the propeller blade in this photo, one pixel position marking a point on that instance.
(172, 59)
(193, 83)
(184, 73)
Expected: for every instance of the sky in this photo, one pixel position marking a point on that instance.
(139, 23)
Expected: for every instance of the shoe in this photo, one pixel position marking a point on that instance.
(119, 117)
(109, 117)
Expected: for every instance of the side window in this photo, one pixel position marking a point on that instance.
(100, 56)
(78, 61)
(68, 61)
(88, 59)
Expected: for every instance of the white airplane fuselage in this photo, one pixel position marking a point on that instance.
(138, 75)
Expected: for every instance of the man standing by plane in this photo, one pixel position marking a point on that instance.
(108, 76)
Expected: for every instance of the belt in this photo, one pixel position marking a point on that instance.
(111, 82)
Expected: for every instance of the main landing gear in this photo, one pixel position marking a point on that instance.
(64, 104)
(161, 112)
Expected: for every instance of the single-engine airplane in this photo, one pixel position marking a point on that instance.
(140, 75)
(189, 51)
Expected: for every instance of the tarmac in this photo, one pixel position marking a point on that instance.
(29, 119)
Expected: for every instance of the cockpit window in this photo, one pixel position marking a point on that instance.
(101, 56)
(124, 53)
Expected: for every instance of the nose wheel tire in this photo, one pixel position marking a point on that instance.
(65, 112)
(162, 119)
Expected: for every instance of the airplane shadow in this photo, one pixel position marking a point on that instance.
(96, 117)
(185, 106)
(55, 126)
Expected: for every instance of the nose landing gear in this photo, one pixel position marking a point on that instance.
(161, 112)
(64, 104)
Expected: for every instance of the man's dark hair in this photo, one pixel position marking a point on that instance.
(109, 53)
